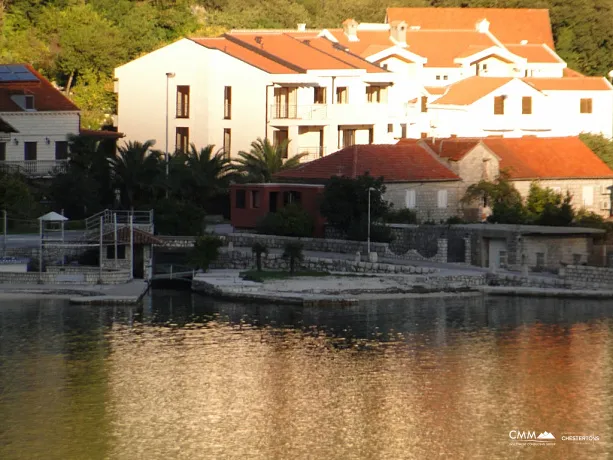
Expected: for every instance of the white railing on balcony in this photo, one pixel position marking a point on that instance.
(35, 168)
(298, 112)
(311, 153)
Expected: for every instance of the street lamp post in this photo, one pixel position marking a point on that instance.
(370, 189)
(169, 75)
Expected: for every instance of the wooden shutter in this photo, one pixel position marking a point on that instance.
(499, 105)
(227, 102)
(424, 103)
(526, 105)
(586, 105)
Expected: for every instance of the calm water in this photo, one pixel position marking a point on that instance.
(187, 378)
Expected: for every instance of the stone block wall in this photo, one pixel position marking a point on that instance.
(588, 277)
(91, 275)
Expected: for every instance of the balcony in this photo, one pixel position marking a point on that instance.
(311, 153)
(298, 112)
(35, 168)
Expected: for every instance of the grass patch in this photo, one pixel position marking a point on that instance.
(260, 277)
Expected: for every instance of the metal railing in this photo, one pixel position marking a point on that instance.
(298, 112)
(34, 168)
(311, 153)
(109, 217)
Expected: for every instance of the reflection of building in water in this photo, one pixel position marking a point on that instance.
(454, 380)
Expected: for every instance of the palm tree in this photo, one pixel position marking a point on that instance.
(292, 251)
(264, 160)
(136, 172)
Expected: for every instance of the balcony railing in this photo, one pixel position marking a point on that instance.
(35, 168)
(298, 112)
(311, 153)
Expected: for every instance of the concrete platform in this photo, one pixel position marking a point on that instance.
(545, 292)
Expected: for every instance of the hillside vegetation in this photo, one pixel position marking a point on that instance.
(77, 43)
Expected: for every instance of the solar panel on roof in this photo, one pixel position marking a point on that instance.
(15, 72)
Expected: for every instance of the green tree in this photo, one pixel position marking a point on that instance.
(16, 198)
(291, 220)
(264, 160)
(258, 249)
(502, 196)
(292, 251)
(600, 145)
(345, 202)
(205, 251)
(137, 174)
(544, 206)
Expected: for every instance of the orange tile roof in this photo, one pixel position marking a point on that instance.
(471, 89)
(367, 38)
(569, 84)
(571, 73)
(509, 25)
(396, 163)
(547, 158)
(47, 98)
(535, 53)
(243, 54)
(326, 46)
(453, 149)
(289, 50)
(436, 90)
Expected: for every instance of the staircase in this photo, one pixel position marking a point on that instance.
(107, 219)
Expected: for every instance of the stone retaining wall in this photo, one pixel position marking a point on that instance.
(500, 279)
(242, 260)
(91, 275)
(588, 277)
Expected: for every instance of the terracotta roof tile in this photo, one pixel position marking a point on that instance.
(328, 47)
(470, 90)
(396, 163)
(570, 84)
(47, 98)
(453, 149)
(436, 90)
(123, 237)
(245, 55)
(101, 134)
(571, 73)
(507, 24)
(547, 158)
(535, 53)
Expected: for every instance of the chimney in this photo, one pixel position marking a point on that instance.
(301, 27)
(350, 28)
(482, 26)
(398, 32)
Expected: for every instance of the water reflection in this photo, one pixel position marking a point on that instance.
(189, 378)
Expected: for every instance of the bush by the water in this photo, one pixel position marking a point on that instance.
(205, 251)
(291, 220)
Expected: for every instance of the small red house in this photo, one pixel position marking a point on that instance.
(251, 202)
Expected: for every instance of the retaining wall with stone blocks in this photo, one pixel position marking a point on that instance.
(53, 275)
(241, 260)
(591, 277)
(504, 279)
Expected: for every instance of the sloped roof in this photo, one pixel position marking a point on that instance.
(569, 84)
(396, 163)
(547, 158)
(326, 46)
(47, 98)
(123, 237)
(469, 90)
(539, 53)
(436, 90)
(6, 127)
(453, 149)
(509, 25)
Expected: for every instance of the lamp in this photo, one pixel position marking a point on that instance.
(47, 141)
(16, 141)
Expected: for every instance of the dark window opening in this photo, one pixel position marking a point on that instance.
(61, 150)
(272, 201)
(227, 102)
(30, 151)
(255, 198)
(320, 95)
(241, 199)
(292, 197)
(29, 102)
(2, 151)
(182, 143)
(121, 252)
(182, 101)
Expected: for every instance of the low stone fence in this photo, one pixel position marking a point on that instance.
(242, 260)
(503, 279)
(588, 277)
(68, 275)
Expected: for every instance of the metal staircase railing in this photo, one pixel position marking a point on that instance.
(108, 218)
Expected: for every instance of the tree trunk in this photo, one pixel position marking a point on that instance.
(69, 83)
(291, 265)
(258, 261)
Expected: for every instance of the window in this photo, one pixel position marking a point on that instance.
(227, 142)
(255, 198)
(588, 195)
(576, 259)
(586, 105)
(29, 151)
(483, 66)
(292, 197)
(403, 129)
(424, 135)
(346, 137)
(376, 94)
(2, 151)
(438, 77)
(540, 259)
(182, 101)
(61, 150)
(499, 105)
(241, 199)
(409, 199)
(182, 141)
(526, 105)
(121, 251)
(227, 102)
(342, 95)
(29, 102)
(280, 138)
(424, 104)
(445, 77)
(319, 96)
(441, 198)
(390, 128)
(502, 257)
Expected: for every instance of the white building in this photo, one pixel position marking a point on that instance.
(38, 120)
(229, 91)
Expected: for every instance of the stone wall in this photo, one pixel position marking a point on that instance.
(503, 279)
(588, 277)
(426, 199)
(243, 260)
(68, 275)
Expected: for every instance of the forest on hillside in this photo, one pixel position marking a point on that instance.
(77, 43)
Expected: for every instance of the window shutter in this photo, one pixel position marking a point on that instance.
(424, 104)
(409, 199)
(588, 195)
(526, 105)
(442, 198)
(498, 105)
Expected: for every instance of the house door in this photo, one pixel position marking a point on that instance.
(498, 253)
(285, 102)
(272, 201)
(280, 136)
(139, 262)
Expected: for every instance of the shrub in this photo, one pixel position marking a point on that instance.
(590, 219)
(378, 233)
(293, 252)
(176, 217)
(258, 249)
(292, 220)
(454, 220)
(401, 216)
(206, 251)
